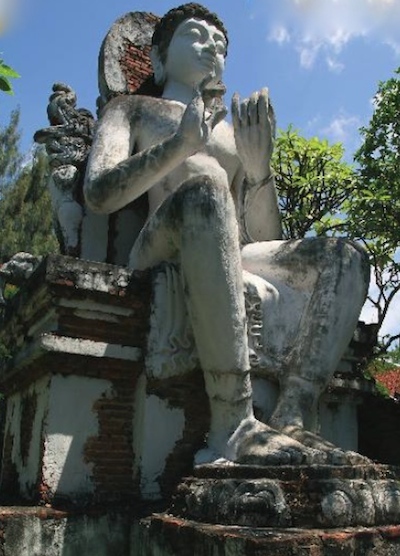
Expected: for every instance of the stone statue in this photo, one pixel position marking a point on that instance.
(67, 143)
(213, 214)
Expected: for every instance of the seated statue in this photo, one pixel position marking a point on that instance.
(213, 213)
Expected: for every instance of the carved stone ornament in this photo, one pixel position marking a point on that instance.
(67, 142)
(303, 497)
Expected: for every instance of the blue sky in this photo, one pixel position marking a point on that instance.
(321, 59)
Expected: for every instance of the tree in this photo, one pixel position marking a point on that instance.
(374, 211)
(6, 73)
(321, 194)
(10, 155)
(313, 182)
(377, 200)
(26, 213)
(25, 206)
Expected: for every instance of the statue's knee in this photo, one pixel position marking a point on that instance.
(344, 257)
(204, 199)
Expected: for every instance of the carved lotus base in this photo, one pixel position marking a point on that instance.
(301, 497)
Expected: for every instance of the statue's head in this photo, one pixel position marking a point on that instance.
(170, 23)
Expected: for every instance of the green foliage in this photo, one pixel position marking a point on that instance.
(385, 270)
(394, 355)
(25, 206)
(6, 73)
(374, 211)
(26, 213)
(377, 202)
(9, 291)
(320, 194)
(384, 374)
(313, 183)
(10, 156)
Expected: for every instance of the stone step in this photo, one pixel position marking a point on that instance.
(284, 496)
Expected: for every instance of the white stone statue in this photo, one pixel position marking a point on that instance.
(205, 180)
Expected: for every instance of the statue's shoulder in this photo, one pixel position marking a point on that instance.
(134, 104)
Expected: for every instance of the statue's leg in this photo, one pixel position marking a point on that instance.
(336, 274)
(197, 228)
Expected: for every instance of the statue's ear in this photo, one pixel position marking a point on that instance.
(158, 66)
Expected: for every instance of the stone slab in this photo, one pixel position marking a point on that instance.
(300, 497)
(41, 531)
(166, 535)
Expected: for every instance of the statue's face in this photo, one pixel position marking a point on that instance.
(197, 49)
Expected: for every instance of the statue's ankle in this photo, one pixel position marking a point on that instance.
(297, 404)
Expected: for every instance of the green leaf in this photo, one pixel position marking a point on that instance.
(6, 71)
(5, 85)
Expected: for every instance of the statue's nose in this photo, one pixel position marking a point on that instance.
(210, 46)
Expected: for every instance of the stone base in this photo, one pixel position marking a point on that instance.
(40, 531)
(291, 496)
(164, 535)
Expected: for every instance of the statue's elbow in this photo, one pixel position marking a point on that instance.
(94, 199)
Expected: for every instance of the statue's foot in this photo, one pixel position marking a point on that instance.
(254, 443)
(335, 455)
(207, 455)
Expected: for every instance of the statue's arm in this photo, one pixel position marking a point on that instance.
(115, 177)
(257, 207)
(254, 186)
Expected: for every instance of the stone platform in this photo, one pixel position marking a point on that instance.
(165, 535)
(287, 496)
(41, 531)
(85, 451)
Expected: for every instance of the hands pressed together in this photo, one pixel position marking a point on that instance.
(253, 123)
(254, 126)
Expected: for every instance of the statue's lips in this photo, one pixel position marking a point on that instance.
(207, 59)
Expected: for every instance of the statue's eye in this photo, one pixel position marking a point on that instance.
(220, 47)
(193, 33)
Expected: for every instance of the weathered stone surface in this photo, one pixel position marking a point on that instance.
(44, 532)
(166, 535)
(204, 180)
(41, 531)
(305, 497)
(81, 326)
(74, 309)
(124, 61)
(73, 342)
(68, 142)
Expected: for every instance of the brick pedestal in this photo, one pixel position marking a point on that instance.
(73, 339)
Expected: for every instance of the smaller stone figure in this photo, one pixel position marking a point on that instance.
(67, 141)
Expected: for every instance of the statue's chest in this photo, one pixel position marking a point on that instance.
(158, 124)
(161, 120)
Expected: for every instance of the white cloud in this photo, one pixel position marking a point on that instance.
(325, 27)
(342, 128)
(334, 64)
(279, 34)
(308, 53)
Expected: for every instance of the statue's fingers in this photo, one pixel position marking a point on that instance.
(253, 109)
(218, 114)
(244, 112)
(235, 109)
(263, 108)
(272, 119)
